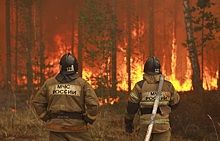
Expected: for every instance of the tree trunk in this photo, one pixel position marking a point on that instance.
(29, 49)
(202, 41)
(73, 23)
(151, 27)
(114, 49)
(80, 46)
(8, 46)
(129, 45)
(164, 36)
(42, 59)
(16, 44)
(175, 20)
(196, 81)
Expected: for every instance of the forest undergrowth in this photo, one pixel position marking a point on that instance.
(196, 118)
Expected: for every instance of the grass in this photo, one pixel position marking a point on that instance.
(20, 124)
(189, 122)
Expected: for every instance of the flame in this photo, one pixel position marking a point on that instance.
(87, 75)
(187, 84)
(108, 100)
(137, 68)
(136, 62)
(22, 80)
(209, 83)
(63, 47)
(136, 73)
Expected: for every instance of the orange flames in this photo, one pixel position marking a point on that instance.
(108, 100)
(209, 82)
(187, 84)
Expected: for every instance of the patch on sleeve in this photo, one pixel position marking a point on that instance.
(65, 89)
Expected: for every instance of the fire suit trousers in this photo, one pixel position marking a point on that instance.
(69, 136)
(164, 136)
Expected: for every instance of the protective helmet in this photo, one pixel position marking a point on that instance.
(152, 66)
(68, 64)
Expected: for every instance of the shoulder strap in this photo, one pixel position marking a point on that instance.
(141, 83)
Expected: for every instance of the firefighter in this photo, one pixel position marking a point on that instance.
(141, 101)
(67, 103)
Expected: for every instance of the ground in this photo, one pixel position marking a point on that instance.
(196, 118)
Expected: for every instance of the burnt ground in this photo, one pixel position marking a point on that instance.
(196, 118)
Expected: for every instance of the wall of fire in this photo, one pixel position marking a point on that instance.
(169, 34)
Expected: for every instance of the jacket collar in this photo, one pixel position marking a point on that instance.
(66, 77)
(151, 78)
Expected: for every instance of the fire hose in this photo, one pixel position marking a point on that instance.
(155, 107)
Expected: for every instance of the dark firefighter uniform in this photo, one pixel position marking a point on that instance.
(142, 99)
(67, 103)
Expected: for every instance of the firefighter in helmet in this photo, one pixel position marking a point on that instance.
(141, 100)
(67, 103)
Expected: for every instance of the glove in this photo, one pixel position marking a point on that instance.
(129, 125)
(87, 119)
(129, 128)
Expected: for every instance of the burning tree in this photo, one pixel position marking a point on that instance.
(196, 81)
(135, 34)
(28, 46)
(8, 44)
(96, 21)
(204, 25)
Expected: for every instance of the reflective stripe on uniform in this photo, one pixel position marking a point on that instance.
(65, 128)
(147, 104)
(43, 114)
(133, 95)
(158, 121)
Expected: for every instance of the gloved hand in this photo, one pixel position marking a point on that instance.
(129, 128)
(129, 125)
